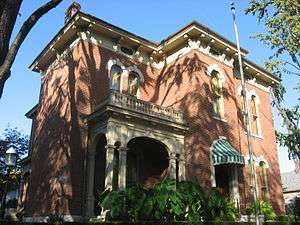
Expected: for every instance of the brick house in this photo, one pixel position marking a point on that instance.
(115, 108)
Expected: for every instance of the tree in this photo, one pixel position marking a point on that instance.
(9, 10)
(282, 21)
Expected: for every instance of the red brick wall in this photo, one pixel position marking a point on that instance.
(80, 82)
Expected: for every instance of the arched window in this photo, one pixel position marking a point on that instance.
(254, 115)
(133, 83)
(115, 77)
(217, 92)
(263, 181)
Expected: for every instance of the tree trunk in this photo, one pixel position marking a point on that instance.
(8, 15)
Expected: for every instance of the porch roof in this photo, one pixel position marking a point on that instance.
(225, 153)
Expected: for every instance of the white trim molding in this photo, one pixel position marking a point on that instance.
(112, 62)
(256, 160)
(135, 69)
(216, 68)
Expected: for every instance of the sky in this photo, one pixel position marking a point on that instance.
(154, 20)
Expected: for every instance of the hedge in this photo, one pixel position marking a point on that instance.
(152, 223)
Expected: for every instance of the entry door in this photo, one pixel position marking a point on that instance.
(222, 175)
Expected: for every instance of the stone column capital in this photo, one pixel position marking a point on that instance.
(172, 155)
(123, 149)
(182, 158)
(110, 147)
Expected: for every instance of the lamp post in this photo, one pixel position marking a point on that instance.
(10, 162)
(246, 116)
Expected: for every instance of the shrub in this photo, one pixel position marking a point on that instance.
(11, 203)
(167, 201)
(286, 218)
(218, 208)
(55, 219)
(263, 208)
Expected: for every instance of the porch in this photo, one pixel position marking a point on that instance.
(131, 141)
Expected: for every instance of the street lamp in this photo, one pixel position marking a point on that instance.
(10, 162)
(11, 157)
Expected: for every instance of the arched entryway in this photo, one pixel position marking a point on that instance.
(147, 161)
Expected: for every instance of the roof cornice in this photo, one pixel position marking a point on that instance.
(194, 30)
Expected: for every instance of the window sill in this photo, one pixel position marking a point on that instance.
(255, 136)
(220, 119)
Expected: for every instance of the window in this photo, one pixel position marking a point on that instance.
(263, 181)
(243, 112)
(216, 86)
(133, 83)
(115, 77)
(254, 115)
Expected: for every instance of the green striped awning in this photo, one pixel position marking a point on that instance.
(224, 153)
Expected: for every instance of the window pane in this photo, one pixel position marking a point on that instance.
(115, 76)
(133, 83)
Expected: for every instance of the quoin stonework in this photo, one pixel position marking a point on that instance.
(116, 108)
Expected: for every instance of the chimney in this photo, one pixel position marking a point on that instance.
(71, 11)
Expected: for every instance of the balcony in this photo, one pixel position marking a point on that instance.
(128, 103)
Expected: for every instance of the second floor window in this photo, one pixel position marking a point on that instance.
(115, 77)
(243, 112)
(217, 92)
(254, 115)
(133, 83)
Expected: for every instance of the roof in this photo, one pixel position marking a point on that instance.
(30, 114)
(191, 30)
(290, 181)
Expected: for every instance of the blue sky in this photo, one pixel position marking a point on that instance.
(154, 20)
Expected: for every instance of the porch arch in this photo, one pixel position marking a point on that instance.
(147, 161)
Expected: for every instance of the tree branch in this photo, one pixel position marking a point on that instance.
(25, 29)
(289, 124)
(8, 15)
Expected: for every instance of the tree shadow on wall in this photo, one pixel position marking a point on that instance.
(78, 84)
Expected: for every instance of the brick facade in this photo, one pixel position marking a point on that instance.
(78, 83)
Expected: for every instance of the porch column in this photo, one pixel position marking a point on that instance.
(212, 171)
(122, 167)
(181, 167)
(172, 165)
(234, 185)
(109, 168)
(90, 199)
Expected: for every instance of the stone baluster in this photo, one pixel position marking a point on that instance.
(122, 167)
(172, 166)
(109, 166)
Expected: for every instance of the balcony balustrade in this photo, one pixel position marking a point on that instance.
(131, 103)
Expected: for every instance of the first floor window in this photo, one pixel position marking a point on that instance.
(263, 181)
